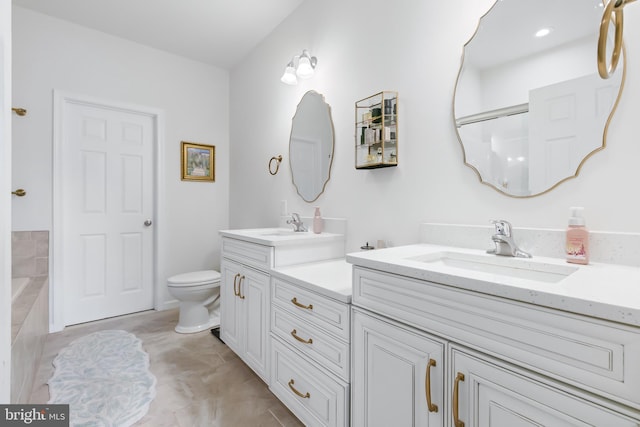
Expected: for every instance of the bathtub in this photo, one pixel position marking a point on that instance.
(29, 329)
(17, 286)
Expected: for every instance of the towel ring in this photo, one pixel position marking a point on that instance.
(278, 160)
(613, 11)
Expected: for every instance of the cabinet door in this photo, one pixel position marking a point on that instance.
(255, 290)
(490, 394)
(230, 306)
(394, 369)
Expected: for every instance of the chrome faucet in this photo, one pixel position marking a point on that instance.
(504, 243)
(298, 225)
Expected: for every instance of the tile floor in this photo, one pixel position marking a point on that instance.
(201, 382)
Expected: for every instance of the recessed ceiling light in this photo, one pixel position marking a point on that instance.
(544, 32)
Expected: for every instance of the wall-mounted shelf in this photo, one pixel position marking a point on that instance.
(377, 131)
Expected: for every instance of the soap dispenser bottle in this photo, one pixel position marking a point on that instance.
(577, 245)
(317, 221)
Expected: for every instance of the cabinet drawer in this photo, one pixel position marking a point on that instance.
(316, 309)
(326, 350)
(311, 394)
(597, 355)
(251, 254)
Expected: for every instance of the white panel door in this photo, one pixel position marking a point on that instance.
(107, 207)
(491, 396)
(231, 322)
(394, 369)
(254, 287)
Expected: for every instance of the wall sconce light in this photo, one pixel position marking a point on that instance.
(300, 66)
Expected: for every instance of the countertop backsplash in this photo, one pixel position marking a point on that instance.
(605, 247)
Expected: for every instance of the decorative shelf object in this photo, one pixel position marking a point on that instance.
(377, 131)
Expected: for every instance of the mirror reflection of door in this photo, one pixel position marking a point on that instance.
(306, 155)
(311, 146)
(563, 117)
(521, 100)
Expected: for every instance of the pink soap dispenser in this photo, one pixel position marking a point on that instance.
(577, 246)
(317, 221)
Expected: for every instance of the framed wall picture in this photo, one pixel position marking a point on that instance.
(198, 162)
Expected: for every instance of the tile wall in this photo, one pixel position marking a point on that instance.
(30, 253)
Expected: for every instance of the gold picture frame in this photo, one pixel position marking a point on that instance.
(198, 162)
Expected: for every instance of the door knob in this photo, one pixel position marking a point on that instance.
(148, 223)
(19, 192)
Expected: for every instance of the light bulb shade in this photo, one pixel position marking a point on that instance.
(289, 76)
(305, 70)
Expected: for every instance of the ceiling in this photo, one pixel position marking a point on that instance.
(507, 31)
(215, 32)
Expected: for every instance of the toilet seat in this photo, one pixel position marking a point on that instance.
(194, 278)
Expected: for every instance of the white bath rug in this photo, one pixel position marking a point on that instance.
(105, 379)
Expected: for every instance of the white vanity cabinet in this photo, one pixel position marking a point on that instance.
(248, 258)
(310, 351)
(498, 362)
(244, 306)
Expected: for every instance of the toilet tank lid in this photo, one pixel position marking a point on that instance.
(195, 277)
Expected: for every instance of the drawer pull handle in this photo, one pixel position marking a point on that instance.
(293, 389)
(240, 287)
(427, 385)
(294, 334)
(297, 304)
(235, 285)
(456, 385)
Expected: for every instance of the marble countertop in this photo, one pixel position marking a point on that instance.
(330, 278)
(280, 236)
(605, 291)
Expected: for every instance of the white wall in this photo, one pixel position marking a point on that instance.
(5, 201)
(53, 54)
(509, 84)
(413, 47)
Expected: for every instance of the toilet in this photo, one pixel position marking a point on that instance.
(198, 293)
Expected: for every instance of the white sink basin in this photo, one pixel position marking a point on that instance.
(279, 236)
(280, 232)
(521, 268)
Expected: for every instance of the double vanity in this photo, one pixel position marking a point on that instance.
(431, 334)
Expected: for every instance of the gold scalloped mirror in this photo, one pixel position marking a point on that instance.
(529, 105)
(311, 146)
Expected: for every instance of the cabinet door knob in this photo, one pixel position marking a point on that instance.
(148, 223)
(293, 389)
(297, 304)
(294, 334)
(427, 386)
(456, 385)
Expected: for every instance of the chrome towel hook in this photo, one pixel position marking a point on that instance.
(277, 164)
